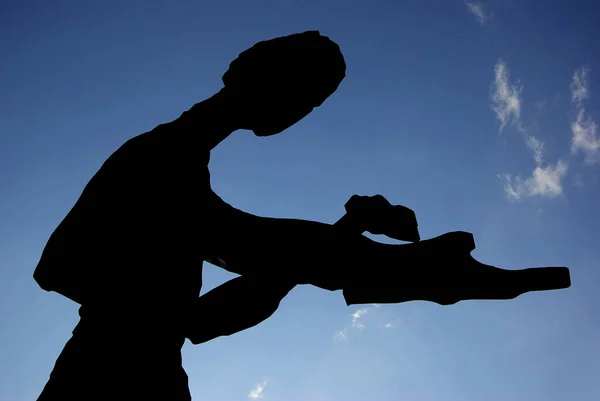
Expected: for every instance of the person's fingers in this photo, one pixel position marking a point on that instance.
(354, 203)
(545, 278)
(463, 281)
(382, 218)
(481, 281)
(399, 223)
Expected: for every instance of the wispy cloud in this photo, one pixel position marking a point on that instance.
(578, 180)
(478, 10)
(536, 146)
(506, 97)
(341, 335)
(356, 317)
(257, 392)
(579, 86)
(585, 138)
(541, 105)
(544, 181)
(584, 129)
(356, 322)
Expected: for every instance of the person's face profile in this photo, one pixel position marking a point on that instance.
(270, 115)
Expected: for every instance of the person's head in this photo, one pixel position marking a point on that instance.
(275, 83)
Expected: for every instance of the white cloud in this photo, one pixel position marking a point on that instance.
(388, 326)
(537, 147)
(357, 315)
(257, 392)
(506, 97)
(584, 130)
(585, 137)
(478, 10)
(356, 323)
(543, 182)
(579, 86)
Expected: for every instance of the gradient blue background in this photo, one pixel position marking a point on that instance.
(412, 121)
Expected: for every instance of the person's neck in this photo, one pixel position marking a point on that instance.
(212, 120)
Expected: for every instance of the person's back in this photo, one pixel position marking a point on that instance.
(130, 252)
(124, 233)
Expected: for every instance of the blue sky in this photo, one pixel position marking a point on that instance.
(479, 116)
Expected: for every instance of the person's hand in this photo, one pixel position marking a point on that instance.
(376, 215)
(444, 272)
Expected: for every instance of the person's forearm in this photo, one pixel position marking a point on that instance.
(304, 252)
(246, 301)
(237, 305)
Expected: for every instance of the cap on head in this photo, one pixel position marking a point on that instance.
(297, 71)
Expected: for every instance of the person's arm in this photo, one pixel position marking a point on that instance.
(323, 255)
(252, 298)
(246, 301)
(234, 306)
(299, 251)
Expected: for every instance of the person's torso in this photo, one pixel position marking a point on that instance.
(136, 230)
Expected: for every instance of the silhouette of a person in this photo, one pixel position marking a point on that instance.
(131, 249)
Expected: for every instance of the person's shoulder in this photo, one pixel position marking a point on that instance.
(167, 143)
